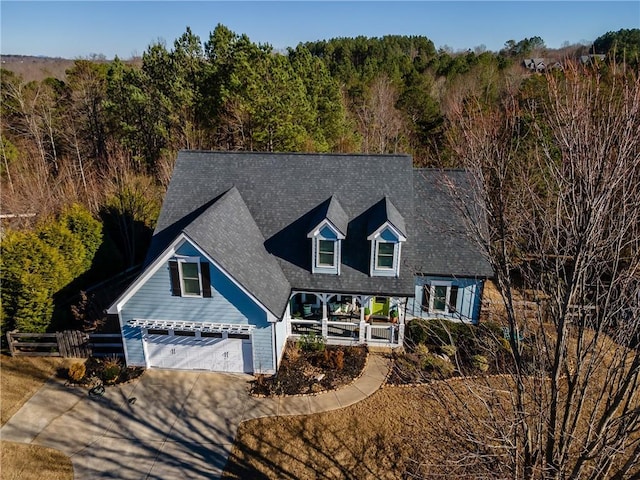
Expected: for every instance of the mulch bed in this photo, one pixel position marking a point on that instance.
(308, 372)
(97, 370)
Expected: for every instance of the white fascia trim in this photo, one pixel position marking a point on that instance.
(394, 230)
(226, 274)
(325, 223)
(164, 257)
(160, 260)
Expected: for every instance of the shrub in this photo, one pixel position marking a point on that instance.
(480, 362)
(311, 343)
(334, 358)
(504, 344)
(111, 370)
(407, 368)
(32, 272)
(448, 350)
(421, 350)
(417, 332)
(76, 371)
(441, 367)
(293, 351)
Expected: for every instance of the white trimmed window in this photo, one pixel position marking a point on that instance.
(440, 297)
(326, 253)
(190, 277)
(385, 255)
(326, 243)
(386, 246)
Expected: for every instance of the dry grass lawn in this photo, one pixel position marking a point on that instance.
(33, 462)
(382, 437)
(20, 378)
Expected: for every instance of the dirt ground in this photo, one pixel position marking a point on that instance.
(20, 378)
(303, 372)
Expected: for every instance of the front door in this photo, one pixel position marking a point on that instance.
(380, 306)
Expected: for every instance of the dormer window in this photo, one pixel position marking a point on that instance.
(385, 252)
(386, 232)
(327, 230)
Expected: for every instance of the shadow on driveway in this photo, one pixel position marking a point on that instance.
(181, 425)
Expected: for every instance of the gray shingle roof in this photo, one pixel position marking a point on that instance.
(252, 212)
(443, 246)
(332, 211)
(282, 192)
(227, 232)
(385, 211)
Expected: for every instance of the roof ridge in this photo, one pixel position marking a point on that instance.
(300, 154)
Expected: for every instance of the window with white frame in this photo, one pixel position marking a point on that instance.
(190, 277)
(326, 253)
(326, 250)
(440, 297)
(385, 255)
(386, 245)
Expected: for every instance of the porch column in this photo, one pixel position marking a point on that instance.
(401, 320)
(324, 298)
(363, 325)
(287, 318)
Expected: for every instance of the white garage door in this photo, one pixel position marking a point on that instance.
(187, 352)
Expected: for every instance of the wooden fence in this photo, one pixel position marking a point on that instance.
(68, 344)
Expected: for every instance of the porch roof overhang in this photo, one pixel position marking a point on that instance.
(190, 326)
(314, 291)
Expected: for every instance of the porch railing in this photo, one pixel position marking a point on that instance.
(337, 332)
(337, 329)
(306, 327)
(384, 334)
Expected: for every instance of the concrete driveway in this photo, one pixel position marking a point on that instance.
(180, 426)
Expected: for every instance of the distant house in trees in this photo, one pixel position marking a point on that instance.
(251, 249)
(540, 65)
(535, 64)
(592, 58)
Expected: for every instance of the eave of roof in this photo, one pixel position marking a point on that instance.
(227, 232)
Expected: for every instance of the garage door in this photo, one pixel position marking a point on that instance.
(186, 351)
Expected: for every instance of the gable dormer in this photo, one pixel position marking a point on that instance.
(328, 229)
(387, 232)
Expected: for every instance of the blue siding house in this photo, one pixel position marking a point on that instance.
(251, 249)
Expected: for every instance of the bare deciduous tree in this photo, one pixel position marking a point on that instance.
(379, 121)
(558, 179)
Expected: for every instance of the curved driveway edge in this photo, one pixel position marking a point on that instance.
(374, 374)
(181, 425)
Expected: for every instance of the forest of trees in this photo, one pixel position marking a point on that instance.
(105, 136)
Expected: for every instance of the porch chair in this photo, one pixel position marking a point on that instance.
(306, 310)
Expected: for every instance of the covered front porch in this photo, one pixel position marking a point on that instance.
(347, 319)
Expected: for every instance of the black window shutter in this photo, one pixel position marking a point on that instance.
(206, 279)
(453, 298)
(426, 298)
(175, 278)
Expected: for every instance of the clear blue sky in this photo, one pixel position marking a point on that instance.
(126, 28)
